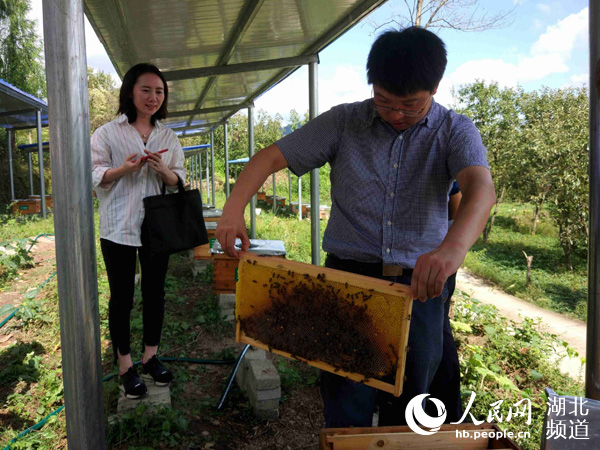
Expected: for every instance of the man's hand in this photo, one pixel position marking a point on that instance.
(433, 269)
(229, 228)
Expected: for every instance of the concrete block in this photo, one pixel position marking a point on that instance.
(267, 414)
(199, 266)
(226, 301)
(262, 375)
(255, 354)
(257, 397)
(156, 396)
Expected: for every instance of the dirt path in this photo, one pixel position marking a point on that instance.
(44, 259)
(571, 330)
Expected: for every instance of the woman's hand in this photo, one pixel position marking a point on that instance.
(158, 165)
(129, 165)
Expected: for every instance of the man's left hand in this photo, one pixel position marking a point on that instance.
(433, 269)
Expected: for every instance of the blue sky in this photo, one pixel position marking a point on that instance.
(546, 45)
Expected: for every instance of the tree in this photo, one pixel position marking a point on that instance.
(103, 98)
(463, 15)
(556, 133)
(21, 53)
(21, 65)
(495, 112)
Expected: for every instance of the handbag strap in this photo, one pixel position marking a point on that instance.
(180, 188)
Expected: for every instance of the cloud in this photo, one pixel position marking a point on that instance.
(346, 84)
(544, 7)
(549, 55)
(578, 80)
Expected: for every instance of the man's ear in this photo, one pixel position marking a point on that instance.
(435, 90)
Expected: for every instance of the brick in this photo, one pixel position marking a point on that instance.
(226, 301)
(262, 375)
(266, 404)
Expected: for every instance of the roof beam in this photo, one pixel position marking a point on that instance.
(244, 20)
(18, 111)
(186, 74)
(193, 112)
(197, 127)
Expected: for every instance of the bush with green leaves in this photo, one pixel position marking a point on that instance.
(14, 256)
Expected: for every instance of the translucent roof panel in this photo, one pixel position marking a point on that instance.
(213, 51)
(18, 109)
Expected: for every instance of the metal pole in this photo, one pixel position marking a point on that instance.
(199, 166)
(289, 188)
(10, 166)
(313, 111)
(212, 165)
(251, 154)
(30, 173)
(299, 198)
(41, 162)
(274, 195)
(226, 160)
(592, 372)
(207, 179)
(66, 75)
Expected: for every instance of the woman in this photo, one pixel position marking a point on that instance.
(126, 168)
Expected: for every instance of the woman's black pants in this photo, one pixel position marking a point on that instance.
(120, 261)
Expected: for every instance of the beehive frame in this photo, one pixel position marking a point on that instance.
(400, 293)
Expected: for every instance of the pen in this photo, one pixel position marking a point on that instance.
(144, 158)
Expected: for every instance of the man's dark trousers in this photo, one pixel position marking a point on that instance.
(347, 403)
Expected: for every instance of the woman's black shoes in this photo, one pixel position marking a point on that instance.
(132, 384)
(154, 370)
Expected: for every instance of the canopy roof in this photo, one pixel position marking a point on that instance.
(219, 56)
(18, 108)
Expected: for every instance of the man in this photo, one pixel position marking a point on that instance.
(393, 159)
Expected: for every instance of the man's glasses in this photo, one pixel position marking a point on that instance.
(404, 112)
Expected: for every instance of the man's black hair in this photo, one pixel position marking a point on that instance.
(126, 105)
(407, 61)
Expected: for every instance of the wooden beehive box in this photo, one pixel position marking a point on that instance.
(321, 316)
(261, 196)
(49, 203)
(28, 206)
(225, 268)
(450, 437)
(280, 200)
(294, 207)
(212, 215)
(211, 229)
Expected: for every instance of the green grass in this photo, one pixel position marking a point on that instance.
(501, 261)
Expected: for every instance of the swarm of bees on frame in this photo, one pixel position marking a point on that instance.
(315, 320)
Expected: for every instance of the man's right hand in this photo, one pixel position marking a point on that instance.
(229, 228)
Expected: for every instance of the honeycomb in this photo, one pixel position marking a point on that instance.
(348, 324)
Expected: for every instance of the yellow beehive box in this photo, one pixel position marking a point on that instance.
(351, 325)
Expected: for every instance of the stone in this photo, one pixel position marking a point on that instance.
(262, 375)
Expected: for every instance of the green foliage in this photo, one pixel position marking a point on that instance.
(537, 151)
(21, 54)
(501, 261)
(508, 361)
(149, 427)
(103, 98)
(14, 256)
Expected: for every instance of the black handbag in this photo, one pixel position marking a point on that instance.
(174, 222)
